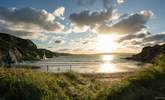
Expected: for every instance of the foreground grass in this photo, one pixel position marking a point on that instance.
(148, 84)
(21, 84)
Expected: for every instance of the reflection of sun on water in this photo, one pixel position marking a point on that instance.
(107, 44)
(107, 58)
(107, 66)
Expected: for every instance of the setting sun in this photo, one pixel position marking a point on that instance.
(106, 43)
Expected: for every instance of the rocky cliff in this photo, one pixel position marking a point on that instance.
(149, 53)
(14, 49)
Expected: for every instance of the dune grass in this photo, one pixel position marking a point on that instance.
(147, 84)
(25, 84)
(21, 84)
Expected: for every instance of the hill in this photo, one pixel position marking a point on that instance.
(14, 49)
(149, 53)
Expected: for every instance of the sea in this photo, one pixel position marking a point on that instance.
(92, 63)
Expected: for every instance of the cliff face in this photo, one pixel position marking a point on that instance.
(149, 53)
(14, 49)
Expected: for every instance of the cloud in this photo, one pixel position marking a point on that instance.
(131, 37)
(106, 3)
(109, 21)
(28, 21)
(143, 39)
(85, 2)
(120, 1)
(88, 18)
(139, 35)
(110, 3)
(24, 34)
(59, 12)
(132, 24)
(156, 38)
(59, 41)
(92, 20)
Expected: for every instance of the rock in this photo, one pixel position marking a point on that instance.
(149, 53)
(14, 49)
(14, 56)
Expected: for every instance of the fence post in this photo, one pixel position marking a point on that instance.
(70, 68)
(47, 68)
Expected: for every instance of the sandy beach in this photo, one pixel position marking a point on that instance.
(109, 77)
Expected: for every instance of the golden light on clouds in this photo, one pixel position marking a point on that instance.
(106, 43)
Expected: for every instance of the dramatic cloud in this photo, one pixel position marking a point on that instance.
(156, 38)
(109, 21)
(87, 18)
(132, 24)
(129, 37)
(143, 39)
(28, 21)
(133, 36)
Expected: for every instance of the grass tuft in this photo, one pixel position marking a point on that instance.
(24, 84)
(147, 84)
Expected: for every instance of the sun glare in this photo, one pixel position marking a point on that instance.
(107, 66)
(106, 43)
(107, 58)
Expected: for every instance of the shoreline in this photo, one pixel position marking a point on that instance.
(105, 77)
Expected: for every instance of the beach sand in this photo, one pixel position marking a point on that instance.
(109, 77)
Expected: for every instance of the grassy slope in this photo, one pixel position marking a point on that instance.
(148, 84)
(19, 84)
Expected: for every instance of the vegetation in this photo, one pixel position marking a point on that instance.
(149, 53)
(21, 84)
(14, 49)
(24, 84)
(148, 84)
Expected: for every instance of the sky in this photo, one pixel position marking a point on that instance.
(85, 26)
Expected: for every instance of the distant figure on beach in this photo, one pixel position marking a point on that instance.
(70, 68)
(47, 68)
(58, 69)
